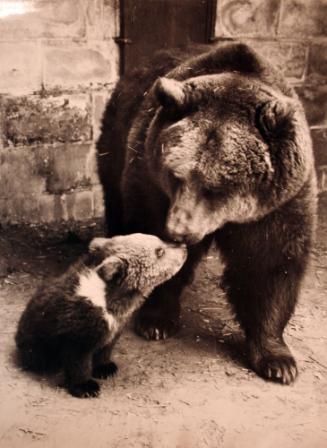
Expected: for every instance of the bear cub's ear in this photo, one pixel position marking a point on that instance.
(97, 252)
(274, 117)
(170, 93)
(97, 243)
(113, 269)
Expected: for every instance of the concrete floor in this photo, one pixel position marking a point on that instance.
(188, 392)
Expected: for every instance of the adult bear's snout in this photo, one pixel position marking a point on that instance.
(185, 221)
(188, 239)
(178, 233)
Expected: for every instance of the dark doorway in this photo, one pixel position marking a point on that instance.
(149, 25)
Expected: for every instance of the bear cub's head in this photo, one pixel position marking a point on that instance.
(137, 262)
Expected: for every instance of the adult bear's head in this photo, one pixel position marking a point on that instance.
(225, 148)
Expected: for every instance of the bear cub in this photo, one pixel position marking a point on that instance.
(73, 322)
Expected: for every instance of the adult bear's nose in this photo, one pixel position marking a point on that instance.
(186, 238)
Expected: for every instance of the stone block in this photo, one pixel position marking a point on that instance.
(78, 65)
(319, 140)
(60, 207)
(21, 185)
(83, 205)
(65, 167)
(74, 206)
(314, 99)
(111, 18)
(68, 200)
(20, 174)
(290, 58)
(303, 18)
(21, 209)
(98, 201)
(20, 68)
(31, 120)
(42, 19)
(94, 19)
(317, 66)
(46, 208)
(247, 18)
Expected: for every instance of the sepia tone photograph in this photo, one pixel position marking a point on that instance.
(163, 223)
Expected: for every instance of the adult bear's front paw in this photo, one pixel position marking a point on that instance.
(273, 361)
(281, 369)
(155, 326)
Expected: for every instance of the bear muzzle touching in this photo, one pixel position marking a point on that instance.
(188, 220)
(183, 227)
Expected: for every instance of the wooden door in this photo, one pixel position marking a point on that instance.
(149, 25)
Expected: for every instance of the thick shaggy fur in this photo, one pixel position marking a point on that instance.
(74, 321)
(216, 149)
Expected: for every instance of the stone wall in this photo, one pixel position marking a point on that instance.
(293, 35)
(59, 64)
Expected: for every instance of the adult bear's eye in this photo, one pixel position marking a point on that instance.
(160, 252)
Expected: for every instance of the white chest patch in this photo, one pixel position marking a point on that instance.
(93, 288)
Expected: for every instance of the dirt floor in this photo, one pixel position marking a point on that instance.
(191, 391)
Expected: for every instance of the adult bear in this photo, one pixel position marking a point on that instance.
(216, 148)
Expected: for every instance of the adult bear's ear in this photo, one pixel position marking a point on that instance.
(274, 117)
(169, 93)
(113, 269)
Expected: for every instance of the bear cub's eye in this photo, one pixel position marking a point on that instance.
(160, 252)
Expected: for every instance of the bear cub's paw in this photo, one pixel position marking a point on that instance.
(103, 371)
(281, 369)
(88, 389)
(153, 327)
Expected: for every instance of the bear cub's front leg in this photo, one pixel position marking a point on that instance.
(78, 372)
(81, 367)
(103, 367)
